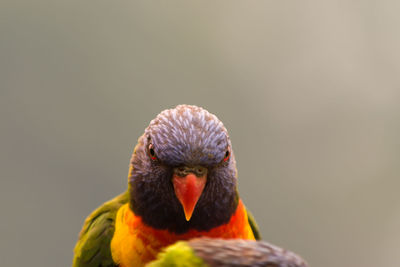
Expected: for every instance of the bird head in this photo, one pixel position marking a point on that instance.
(183, 172)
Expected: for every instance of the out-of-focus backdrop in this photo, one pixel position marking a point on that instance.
(309, 91)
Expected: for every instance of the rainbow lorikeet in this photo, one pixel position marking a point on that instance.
(181, 185)
(211, 252)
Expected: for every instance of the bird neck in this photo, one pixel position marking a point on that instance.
(142, 242)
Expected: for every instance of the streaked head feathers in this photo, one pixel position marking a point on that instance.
(185, 136)
(188, 135)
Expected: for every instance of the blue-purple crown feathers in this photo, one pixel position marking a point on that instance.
(188, 135)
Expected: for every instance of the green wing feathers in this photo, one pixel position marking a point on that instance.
(93, 246)
(253, 225)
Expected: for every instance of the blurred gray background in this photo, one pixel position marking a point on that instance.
(309, 91)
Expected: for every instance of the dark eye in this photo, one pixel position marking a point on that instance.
(152, 153)
(227, 155)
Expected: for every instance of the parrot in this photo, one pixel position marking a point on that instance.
(215, 252)
(182, 184)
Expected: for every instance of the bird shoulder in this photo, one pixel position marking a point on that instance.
(93, 246)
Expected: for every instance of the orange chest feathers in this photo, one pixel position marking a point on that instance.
(135, 244)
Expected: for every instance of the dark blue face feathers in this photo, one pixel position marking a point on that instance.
(183, 136)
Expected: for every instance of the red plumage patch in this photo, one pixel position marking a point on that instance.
(144, 242)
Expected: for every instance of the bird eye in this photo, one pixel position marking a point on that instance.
(227, 155)
(152, 153)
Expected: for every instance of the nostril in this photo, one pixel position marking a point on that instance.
(184, 170)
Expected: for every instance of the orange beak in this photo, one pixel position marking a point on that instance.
(188, 190)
